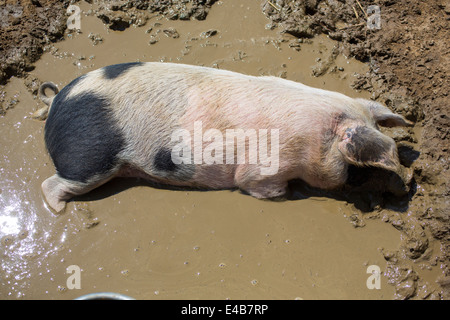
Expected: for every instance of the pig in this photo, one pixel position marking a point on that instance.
(119, 120)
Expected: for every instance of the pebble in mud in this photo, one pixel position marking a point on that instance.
(95, 38)
(171, 33)
(356, 220)
(32, 83)
(61, 289)
(208, 34)
(153, 39)
(406, 289)
(13, 101)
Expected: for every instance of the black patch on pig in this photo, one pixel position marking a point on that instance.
(167, 169)
(81, 136)
(366, 146)
(115, 70)
(163, 160)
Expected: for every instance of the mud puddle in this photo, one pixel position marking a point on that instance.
(152, 243)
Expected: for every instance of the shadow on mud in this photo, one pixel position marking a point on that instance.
(367, 189)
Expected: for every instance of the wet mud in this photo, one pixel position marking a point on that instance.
(154, 243)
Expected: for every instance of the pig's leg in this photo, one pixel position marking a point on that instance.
(58, 190)
(266, 188)
(249, 179)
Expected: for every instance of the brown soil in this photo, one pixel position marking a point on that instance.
(408, 61)
(26, 26)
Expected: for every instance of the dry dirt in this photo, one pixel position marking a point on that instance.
(160, 244)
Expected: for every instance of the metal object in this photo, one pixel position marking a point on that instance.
(104, 296)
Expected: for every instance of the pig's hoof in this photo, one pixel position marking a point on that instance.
(53, 194)
(268, 193)
(56, 206)
(40, 114)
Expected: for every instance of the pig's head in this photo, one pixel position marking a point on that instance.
(362, 144)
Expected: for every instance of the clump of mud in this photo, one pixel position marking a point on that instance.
(119, 15)
(408, 57)
(26, 26)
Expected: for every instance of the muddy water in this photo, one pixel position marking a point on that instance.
(150, 243)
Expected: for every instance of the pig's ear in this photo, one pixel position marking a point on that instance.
(365, 146)
(383, 116)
